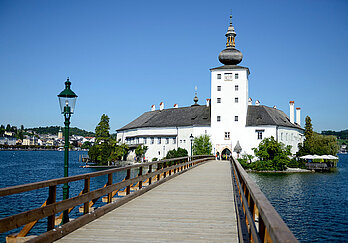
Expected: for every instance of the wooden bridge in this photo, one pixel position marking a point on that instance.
(201, 200)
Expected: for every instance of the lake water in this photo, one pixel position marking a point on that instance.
(314, 205)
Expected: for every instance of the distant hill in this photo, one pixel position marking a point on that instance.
(55, 130)
(340, 135)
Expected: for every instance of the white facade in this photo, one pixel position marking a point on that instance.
(160, 140)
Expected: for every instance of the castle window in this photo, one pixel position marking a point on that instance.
(219, 76)
(174, 140)
(218, 88)
(227, 135)
(228, 76)
(236, 118)
(236, 100)
(158, 140)
(218, 118)
(167, 140)
(152, 140)
(236, 87)
(259, 134)
(236, 75)
(218, 100)
(137, 140)
(144, 139)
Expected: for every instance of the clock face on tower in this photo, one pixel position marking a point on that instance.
(228, 77)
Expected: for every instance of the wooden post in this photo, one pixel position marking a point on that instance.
(139, 174)
(85, 190)
(150, 170)
(109, 183)
(158, 168)
(262, 229)
(164, 173)
(127, 178)
(51, 199)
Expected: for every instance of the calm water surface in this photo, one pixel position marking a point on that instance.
(314, 205)
(21, 167)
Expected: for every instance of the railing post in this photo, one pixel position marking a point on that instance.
(109, 183)
(262, 229)
(150, 170)
(158, 168)
(139, 174)
(127, 178)
(51, 199)
(85, 190)
(164, 166)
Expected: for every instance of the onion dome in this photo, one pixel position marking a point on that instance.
(230, 56)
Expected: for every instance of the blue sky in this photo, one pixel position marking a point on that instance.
(124, 56)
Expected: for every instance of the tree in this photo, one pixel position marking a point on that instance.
(93, 153)
(181, 152)
(86, 145)
(103, 149)
(140, 151)
(8, 128)
(202, 145)
(315, 143)
(102, 130)
(120, 151)
(272, 154)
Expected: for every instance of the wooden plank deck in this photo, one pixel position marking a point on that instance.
(196, 206)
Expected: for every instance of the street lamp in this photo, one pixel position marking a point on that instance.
(67, 100)
(191, 138)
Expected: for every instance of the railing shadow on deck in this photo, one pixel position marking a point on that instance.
(157, 173)
(257, 220)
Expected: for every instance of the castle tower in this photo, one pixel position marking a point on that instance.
(229, 97)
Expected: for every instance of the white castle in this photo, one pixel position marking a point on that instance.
(229, 117)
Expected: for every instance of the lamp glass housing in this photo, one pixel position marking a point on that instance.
(67, 98)
(67, 101)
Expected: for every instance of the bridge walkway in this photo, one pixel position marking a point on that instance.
(196, 206)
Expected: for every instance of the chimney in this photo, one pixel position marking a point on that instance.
(257, 103)
(298, 116)
(161, 106)
(153, 107)
(292, 111)
(208, 102)
(250, 101)
(176, 106)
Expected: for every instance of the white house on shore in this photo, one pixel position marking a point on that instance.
(229, 117)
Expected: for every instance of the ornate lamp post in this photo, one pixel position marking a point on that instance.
(191, 138)
(67, 100)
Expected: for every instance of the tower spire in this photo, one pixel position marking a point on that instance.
(230, 34)
(230, 56)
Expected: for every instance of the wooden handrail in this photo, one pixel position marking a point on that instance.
(271, 227)
(166, 168)
(53, 182)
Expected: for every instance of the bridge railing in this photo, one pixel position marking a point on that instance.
(257, 220)
(156, 173)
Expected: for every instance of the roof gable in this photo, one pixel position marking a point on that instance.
(264, 115)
